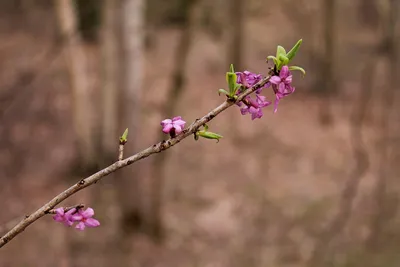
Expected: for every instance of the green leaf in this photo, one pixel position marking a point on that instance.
(209, 135)
(231, 68)
(298, 68)
(283, 61)
(294, 50)
(280, 51)
(231, 78)
(124, 138)
(273, 58)
(223, 91)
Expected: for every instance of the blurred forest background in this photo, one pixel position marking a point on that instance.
(315, 184)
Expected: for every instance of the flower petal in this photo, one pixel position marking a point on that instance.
(177, 118)
(70, 212)
(259, 91)
(179, 123)
(166, 121)
(80, 226)
(60, 211)
(275, 80)
(284, 73)
(58, 218)
(167, 128)
(255, 113)
(178, 129)
(244, 111)
(277, 99)
(281, 88)
(89, 212)
(76, 217)
(92, 222)
(68, 223)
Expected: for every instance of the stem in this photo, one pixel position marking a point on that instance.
(121, 152)
(156, 148)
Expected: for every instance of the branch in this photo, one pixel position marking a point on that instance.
(156, 148)
(11, 223)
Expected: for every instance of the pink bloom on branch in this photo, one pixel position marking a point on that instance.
(84, 217)
(254, 107)
(174, 126)
(249, 79)
(64, 217)
(282, 85)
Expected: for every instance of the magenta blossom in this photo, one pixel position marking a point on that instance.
(174, 126)
(84, 217)
(254, 107)
(249, 79)
(64, 217)
(282, 85)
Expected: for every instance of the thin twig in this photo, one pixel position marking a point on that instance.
(156, 148)
(79, 206)
(121, 152)
(7, 226)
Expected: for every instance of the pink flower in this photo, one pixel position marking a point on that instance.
(282, 85)
(85, 219)
(174, 126)
(64, 217)
(254, 107)
(249, 79)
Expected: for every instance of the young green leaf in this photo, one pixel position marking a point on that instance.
(283, 60)
(231, 78)
(280, 51)
(298, 68)
(273, 58)
(294, 50)
(231, 68)
(209, 135)
(223, 91)
(124, 138)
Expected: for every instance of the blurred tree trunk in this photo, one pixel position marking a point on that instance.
(83, 108)
(106, 198)
(175, 92)
(389, 49)
(129, 185)
(328, 83)
(234, 25)
(361, 165)
(368, 13)
(111, 85)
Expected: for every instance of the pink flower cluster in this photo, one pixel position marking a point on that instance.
(281, 85)
(83, 218)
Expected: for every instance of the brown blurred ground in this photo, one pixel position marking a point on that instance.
(263, 196)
